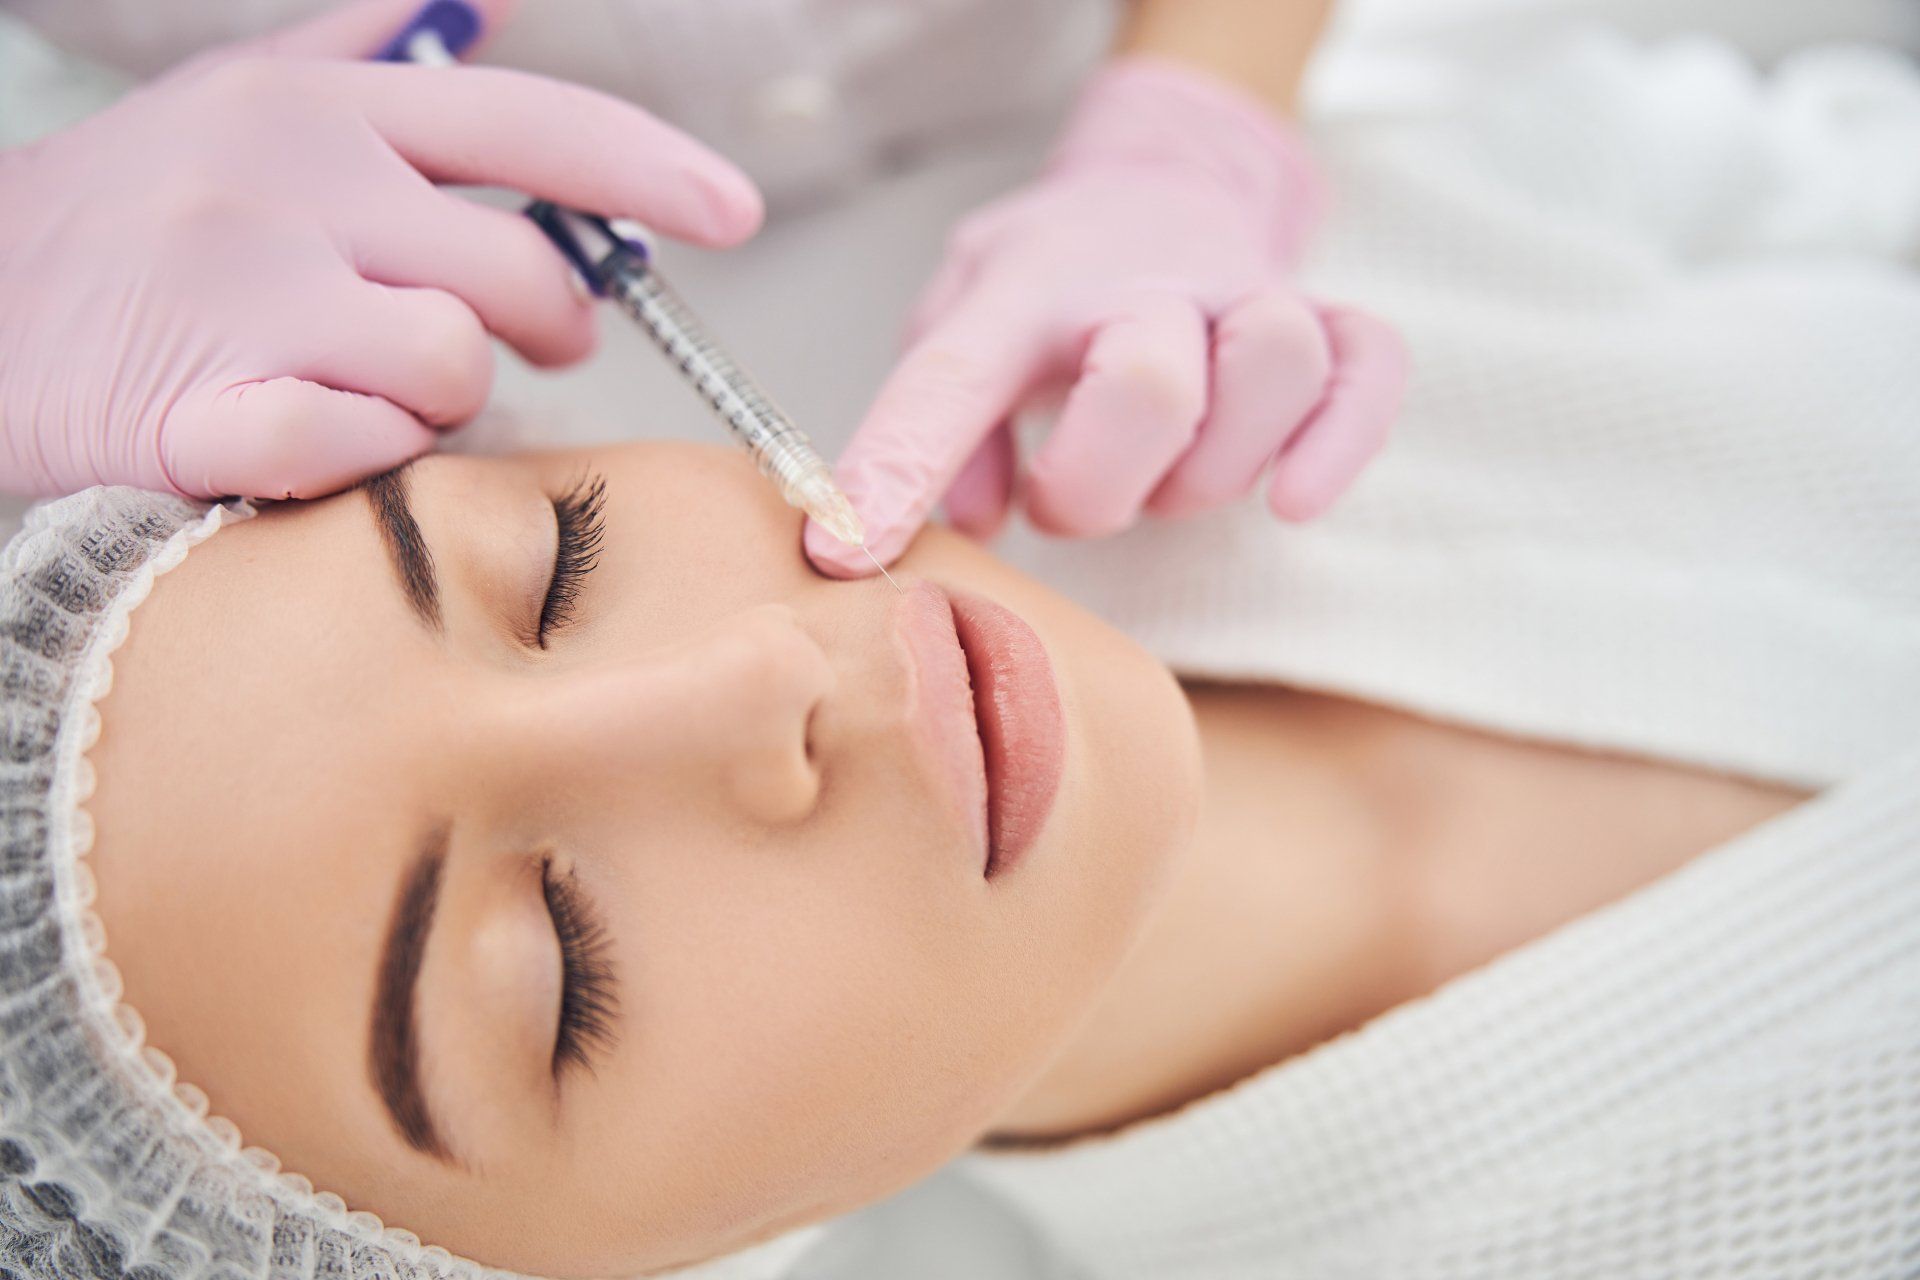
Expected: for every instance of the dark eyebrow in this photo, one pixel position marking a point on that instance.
(406, 545)
(393, 1052)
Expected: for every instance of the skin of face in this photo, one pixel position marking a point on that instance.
(818, 997)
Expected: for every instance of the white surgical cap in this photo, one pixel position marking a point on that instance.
(111, 1168)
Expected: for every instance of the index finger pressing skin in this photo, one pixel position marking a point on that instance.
(951, 389)
(488, 126)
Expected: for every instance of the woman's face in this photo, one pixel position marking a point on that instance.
(607, 924)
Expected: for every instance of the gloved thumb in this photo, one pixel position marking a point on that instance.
(286, 438)
(363, 28)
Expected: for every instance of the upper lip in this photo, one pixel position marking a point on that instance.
(986, 714)
(944, 725)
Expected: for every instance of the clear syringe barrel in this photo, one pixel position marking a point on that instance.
(616, 264)
(782, 450)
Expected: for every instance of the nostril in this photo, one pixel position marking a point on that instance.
(775, 680)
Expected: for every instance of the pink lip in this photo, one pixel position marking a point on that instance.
(989, 714)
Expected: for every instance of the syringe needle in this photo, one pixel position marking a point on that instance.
(882, 568)
(818, 496)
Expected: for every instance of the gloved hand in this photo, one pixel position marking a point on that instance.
(1152, 260)
(241, 279)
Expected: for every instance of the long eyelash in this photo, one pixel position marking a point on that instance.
(587, 1002)
(580, 513)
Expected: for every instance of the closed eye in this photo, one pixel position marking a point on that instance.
(579, 514)
(588, 1004)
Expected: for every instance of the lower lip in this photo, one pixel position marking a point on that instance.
(1022, 728)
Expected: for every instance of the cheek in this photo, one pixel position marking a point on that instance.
(831, 1015)
(809, 1025)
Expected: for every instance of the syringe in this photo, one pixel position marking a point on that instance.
(613, 260)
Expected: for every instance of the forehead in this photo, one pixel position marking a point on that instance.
(242, 645)
(237, 888)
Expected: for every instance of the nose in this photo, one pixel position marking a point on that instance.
(723, 715)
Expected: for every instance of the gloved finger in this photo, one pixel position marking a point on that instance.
(423, 349)
(1363, 398)
(286, 438)
(498, 263)
(981, 494)
(1270, 368)
(947, 393)
(1141, 395)
(487, 126)
(358, 30)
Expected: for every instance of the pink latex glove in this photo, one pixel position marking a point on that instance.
(1152, 262)
(241, 279)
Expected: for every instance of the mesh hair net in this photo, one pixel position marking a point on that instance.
(109, 1166)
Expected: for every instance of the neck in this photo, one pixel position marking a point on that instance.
(1348, 858)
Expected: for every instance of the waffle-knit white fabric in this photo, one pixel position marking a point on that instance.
(1719, 1076)
(1657, 490)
